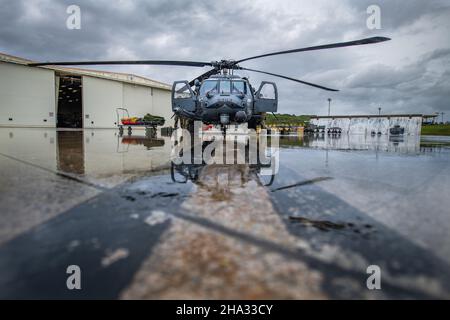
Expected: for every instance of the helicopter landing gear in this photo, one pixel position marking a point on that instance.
(176, 121)
(252, 124)
(188, 125)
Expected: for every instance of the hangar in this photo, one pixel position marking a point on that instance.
(60, 97)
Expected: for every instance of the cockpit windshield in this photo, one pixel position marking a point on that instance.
(224, 87)
(209, 86)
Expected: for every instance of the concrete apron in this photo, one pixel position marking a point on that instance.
(194, 262)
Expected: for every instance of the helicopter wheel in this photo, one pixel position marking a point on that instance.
(190, 127)
(224, 130)
(253, 124)
(188, 124)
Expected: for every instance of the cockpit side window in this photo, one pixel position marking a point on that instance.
(209, 85)
(239, 87)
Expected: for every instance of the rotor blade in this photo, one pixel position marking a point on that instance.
(130, 62)
(326, 46)
(206, 75)
(288, 78)
(200, 78)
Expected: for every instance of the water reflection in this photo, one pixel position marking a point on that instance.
(103, 153)
(432, 144)
(182, 172)
(99, 154)
(401, 144)
(146, 141)
(70, 152)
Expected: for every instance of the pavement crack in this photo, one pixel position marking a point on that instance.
(302, 183)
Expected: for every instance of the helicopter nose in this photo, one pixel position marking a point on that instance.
(224, 118)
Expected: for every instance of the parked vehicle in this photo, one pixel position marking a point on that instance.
(334, 130)
(397, 130)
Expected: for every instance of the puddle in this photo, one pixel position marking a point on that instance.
(322, 225)
(103, 158)
(302, 183)
(326, 225)
(370, 198)
(114, 256)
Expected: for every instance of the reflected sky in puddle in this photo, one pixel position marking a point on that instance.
(103, 153)
(404, 187)
(383, 143)
(101, 156)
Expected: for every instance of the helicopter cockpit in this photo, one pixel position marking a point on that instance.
(224, 87)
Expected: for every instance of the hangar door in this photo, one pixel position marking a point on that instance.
(70, 109)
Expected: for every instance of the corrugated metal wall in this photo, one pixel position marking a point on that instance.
(101, 98)
(27, 96)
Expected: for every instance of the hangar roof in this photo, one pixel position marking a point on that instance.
(115, 76)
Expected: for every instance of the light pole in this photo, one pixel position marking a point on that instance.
(442, 114)
(329, 106)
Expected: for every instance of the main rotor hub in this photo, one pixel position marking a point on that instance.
(225, 64)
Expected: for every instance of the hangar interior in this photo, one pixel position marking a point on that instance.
(69, 95)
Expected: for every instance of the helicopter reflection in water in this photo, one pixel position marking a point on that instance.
(249, 156)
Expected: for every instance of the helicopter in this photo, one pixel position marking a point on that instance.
(218, 96)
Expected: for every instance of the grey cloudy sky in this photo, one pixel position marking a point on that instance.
(409, 74)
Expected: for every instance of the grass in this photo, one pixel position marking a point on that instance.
(436, 130)
(286, 119)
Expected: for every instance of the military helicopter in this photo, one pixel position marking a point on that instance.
(220, 97)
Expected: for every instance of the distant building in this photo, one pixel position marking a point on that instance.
(56, 96)
(369, 124)
(429, 118)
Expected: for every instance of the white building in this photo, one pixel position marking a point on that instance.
(368, 124)
(75, 98)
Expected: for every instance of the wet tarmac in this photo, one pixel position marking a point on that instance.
(140, 227)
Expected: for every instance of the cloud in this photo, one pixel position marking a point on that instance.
(408, 74)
